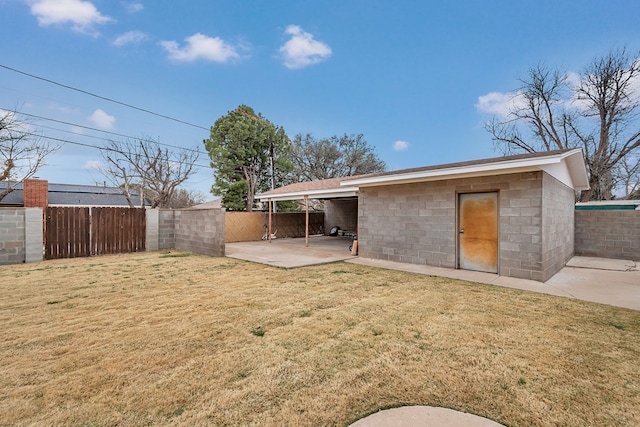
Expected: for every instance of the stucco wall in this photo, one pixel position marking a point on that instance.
(342, 213)
(608, 234)
(416, 223)
(558, 237)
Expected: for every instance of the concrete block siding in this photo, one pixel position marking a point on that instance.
(200, 231)
(21, 235)
(558, 216)
(342, 213)
(166, 229)
(608, 233)
(12, 244)
(416, 223)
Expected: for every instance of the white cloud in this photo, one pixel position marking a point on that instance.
(95, 165)
(102, 119)
(81, 15)
(302, 50)
(133, 7)
(200, 46)
(400, 146)
(14, 124)
(500, 103)
(130, 37)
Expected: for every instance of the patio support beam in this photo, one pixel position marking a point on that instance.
(306, 227)
(269, 227)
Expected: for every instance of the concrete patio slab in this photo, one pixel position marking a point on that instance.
(620, 288)
(291, 253)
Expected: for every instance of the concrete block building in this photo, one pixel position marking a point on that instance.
(511, 215)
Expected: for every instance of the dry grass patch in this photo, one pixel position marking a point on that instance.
(167, 339)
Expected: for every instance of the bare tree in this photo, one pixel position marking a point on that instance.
(22, 153)
(182, 198)
(332, 157)
(627, 176)
(146, 165)
(597, 114)
(121, 172)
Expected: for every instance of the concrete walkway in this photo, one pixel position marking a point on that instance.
(606, 281)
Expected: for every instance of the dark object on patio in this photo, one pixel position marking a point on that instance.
(334, 231)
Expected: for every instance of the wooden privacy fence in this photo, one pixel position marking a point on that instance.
(85, 231)
(251, 226)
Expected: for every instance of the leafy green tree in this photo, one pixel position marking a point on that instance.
(249, 155)
(333, 157)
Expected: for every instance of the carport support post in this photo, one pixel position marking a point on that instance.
(306, 223)
(269, 228)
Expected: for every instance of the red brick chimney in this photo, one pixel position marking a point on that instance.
(36, 193)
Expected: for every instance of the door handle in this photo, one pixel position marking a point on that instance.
(462, 231)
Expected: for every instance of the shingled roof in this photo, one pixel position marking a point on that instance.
(566, 165)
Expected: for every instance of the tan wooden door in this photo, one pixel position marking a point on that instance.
(478, 232)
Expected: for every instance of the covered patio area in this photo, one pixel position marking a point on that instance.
(291, 253)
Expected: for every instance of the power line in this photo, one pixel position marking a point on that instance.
(102, 97)
(66, 141)
(99, 130)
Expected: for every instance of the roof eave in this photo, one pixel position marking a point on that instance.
(312, 194)
(567, 167)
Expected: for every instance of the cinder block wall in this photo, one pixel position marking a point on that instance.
(558, 237)
(21, 235)
(166, 229)
(521, 226)
(200, 231)
(12, 241)
(342, 213)
(608, 234)
(416, 223)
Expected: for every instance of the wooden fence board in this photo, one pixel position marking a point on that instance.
(250, 226)
(82, 231)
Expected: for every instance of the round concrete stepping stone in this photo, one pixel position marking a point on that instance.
(423, 416)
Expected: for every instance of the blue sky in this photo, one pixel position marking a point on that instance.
(417, 78)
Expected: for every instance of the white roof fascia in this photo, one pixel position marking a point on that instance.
(577, 169)
(551, 164)
(312, 194)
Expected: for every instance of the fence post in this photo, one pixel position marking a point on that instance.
(33, 234)
(152, 229)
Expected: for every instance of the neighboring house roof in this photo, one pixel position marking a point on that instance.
(567, 166)
(214, 204)
(74, 195)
